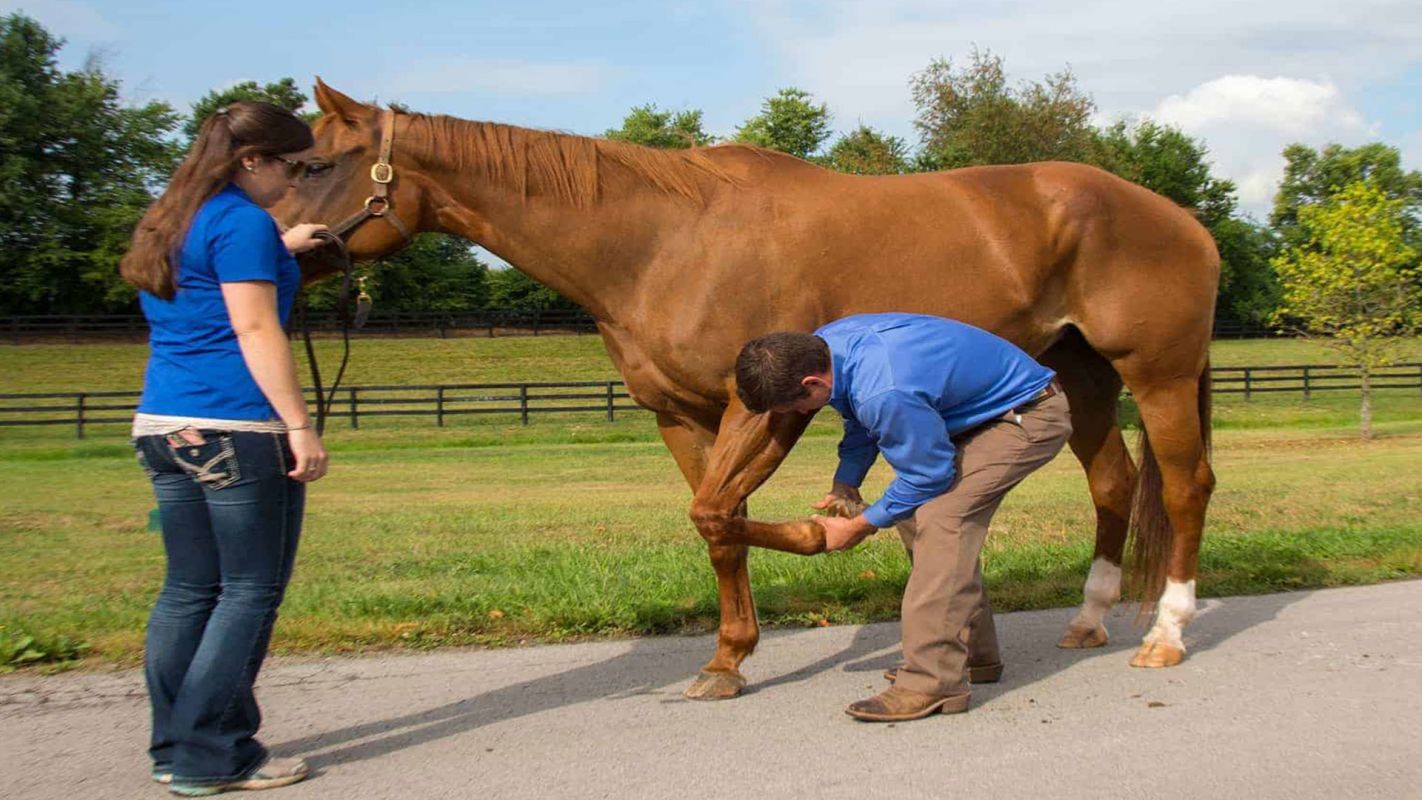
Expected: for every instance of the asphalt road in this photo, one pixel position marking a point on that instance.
(1304, 695)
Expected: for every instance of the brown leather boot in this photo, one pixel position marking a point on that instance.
(977, 673)
(896, 704)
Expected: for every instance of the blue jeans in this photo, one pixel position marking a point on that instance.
(231, 521)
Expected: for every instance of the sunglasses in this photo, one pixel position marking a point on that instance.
(294, 169)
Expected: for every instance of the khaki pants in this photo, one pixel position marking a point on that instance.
(947, 619)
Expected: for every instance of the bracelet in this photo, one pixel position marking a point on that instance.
(305, 427)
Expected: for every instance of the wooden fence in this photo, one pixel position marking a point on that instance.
(490, 322)
(494, 322)
(440, 402)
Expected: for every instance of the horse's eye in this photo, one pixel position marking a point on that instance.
(317, 170)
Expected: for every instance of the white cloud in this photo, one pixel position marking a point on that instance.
(1248, 77)
(500, 76)
(1288, 106)
(1248, 119)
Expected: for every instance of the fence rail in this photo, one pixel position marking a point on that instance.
(491, 322)
(440, 402)
(496, 322)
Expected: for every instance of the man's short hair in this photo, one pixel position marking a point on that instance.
(770, 368)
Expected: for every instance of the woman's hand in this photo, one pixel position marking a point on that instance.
(310, 454)
(300, 238)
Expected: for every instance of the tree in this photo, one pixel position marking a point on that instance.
(1353, 279)
(668, 130)
(865, 151)
(511, 289)
(789, 122)
(971, 116)
(437, 272)
(282, 93)
(1313, 176)
(78, 167)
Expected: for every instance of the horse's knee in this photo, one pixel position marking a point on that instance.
(716, 526)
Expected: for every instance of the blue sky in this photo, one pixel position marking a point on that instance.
(1246, 80)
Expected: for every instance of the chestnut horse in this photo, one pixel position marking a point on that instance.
(682, 256)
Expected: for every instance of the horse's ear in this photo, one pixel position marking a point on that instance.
(331, 101)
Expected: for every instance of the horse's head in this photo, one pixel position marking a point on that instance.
(340, 182)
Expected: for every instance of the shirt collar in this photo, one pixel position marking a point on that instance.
(236, 191)
(839, 383)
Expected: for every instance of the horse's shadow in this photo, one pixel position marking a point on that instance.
(651, 666)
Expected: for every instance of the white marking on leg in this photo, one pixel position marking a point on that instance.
(1103, 589)
(1177, 608)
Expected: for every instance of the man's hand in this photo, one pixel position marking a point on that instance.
(843, 534)
(842, 501)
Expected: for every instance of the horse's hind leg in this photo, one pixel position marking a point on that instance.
(1169, 515)
(1093, 389)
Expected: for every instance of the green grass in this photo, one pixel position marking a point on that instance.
(491, 532)
(429, 546)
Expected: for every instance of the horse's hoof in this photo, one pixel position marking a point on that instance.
(1083, 638)
(1153, 655)
(715, 686)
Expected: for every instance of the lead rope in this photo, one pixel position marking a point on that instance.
(324, 399)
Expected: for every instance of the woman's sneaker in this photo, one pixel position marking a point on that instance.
(270, 775)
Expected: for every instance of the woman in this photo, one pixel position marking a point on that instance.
(222, 431)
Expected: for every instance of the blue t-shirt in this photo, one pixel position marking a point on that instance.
(195, 368)
(905, 385)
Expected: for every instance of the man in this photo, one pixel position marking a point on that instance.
(962, 416)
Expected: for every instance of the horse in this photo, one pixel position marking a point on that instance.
(681, 256)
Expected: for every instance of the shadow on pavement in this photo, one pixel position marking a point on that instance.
(650, 665)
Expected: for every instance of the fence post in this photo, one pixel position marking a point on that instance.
(523, 402)
(609, 400)
(1307, 389)
(355, 410)
(1246, 383)
(79, 415)
(439, 406)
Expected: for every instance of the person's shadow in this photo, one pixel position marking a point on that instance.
(657, 665)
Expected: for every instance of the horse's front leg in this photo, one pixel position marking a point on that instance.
(748, 449)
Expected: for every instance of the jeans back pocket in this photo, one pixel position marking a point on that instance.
(208, 456)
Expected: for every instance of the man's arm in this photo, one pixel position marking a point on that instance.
(915, 442)
(857, 453)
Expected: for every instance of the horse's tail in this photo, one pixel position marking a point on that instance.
(1150, 534)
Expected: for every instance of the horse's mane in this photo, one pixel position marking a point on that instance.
(568, 167)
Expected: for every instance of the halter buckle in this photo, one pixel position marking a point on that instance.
(382, 172)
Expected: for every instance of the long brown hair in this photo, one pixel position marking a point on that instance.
(227, 136)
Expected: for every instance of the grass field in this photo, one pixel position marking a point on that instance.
(424, 537)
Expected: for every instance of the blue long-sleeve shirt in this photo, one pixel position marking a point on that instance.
(905, 385)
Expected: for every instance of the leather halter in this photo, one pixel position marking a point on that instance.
(382, 173)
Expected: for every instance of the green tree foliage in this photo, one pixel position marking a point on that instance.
(511, 289)
(865, 151)
(667, 130)
(790, 122)
(1314, 176)
(282, 93)
(436, 272)
(970, 116)
(1352, 278)
(77, 166)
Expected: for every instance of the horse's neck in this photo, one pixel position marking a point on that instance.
(593, 251)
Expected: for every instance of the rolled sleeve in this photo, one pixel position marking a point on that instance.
(857, 453)
(915, 441)
(246, 246)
